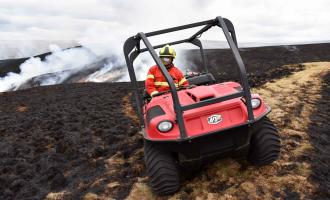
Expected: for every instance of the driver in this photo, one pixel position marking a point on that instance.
(156, 82)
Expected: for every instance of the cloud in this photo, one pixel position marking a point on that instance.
(265, 21)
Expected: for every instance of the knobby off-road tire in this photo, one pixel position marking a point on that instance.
(162, 170)
(265, 143)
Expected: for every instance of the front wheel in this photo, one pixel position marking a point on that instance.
(162, 170)
(265, 143)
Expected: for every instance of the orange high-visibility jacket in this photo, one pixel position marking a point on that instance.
(156, 82)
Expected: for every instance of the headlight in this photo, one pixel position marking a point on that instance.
(255, 103)
(165, 126)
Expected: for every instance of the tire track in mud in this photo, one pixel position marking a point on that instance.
(300, 104)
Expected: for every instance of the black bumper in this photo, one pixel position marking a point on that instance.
(233, 142)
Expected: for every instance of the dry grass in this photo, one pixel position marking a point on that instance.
(22, 108)
(64, 195)
(128, 109)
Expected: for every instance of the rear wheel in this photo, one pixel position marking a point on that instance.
(162, 170)
(265, 143)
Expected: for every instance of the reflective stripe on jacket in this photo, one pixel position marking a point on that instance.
(156, 82)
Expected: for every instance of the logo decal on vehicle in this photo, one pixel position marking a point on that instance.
(214, 119)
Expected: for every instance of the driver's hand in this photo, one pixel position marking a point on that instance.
(153, 93)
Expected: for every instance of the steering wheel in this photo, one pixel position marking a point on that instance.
(180, 88)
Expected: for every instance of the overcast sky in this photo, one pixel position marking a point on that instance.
(270, 21)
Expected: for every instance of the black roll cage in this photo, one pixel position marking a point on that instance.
(132, 50)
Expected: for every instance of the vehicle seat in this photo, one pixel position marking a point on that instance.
(202, 79)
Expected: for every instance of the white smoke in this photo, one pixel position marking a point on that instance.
(104, 74)
(106, 42)
(98, 43)
(59, 61)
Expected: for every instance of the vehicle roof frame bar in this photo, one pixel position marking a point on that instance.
(178, 28)
(130, 56)
(176, 101)
(239, 61)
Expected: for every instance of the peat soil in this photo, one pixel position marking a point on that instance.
(76, 141)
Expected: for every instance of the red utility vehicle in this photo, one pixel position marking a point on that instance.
(186, 127)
